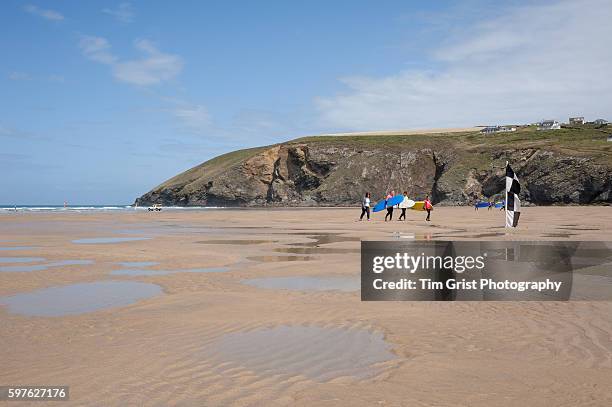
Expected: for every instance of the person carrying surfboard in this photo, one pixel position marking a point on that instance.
(403, 206)
(365, 206)
(428, 207)
(390, 207)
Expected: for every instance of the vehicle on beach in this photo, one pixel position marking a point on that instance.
(155, 207)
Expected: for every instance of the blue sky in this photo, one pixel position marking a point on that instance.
(101, 101)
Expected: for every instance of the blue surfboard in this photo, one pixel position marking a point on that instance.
(500, 204)
(382, 204)
(482, 205)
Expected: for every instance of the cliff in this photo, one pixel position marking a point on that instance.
(567, 166)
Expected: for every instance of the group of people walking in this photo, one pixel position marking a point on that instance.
(366, 204)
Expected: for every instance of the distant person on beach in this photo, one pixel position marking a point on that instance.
(365, 206)
(428, 207)
(491, 205)
(389, 208)
(403, 215)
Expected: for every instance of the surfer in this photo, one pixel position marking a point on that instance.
(403, 207)
(428, 207)
(365, 206)
(389, 208)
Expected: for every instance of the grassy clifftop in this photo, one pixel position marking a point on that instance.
(585, 140)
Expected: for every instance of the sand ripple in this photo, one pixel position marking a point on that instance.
(318, 353)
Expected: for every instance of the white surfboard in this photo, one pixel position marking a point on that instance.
(406, 203)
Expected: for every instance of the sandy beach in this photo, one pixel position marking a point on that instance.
(217, 333)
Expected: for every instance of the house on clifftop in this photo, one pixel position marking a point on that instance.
(576, 120)
(497, 129)
(549, 125)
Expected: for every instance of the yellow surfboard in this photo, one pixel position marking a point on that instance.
(418, 206)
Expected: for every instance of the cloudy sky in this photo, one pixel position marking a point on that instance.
(101, 101)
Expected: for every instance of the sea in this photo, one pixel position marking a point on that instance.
(93, 208)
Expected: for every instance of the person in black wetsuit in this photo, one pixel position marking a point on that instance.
(403, 214)
(389, 208)
(365, 206)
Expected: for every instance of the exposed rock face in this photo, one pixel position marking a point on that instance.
(337, 173)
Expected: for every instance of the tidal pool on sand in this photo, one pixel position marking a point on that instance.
(140, 272)
(20, 259)
(44, 266)
(79, 298)
(316, 250)
(318, 353)
(107, 240)
(274, 259)
(237, 241)
(307, 283)
(138, 264)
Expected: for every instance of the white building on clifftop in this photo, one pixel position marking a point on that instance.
(498, 129)
(576, 120)
(549, 125)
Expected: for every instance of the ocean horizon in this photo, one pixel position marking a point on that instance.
(91, 208)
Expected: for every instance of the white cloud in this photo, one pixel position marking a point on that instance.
(97, 49)
(124, 13)
(153, 68)
(19, 76)
(44, 13)
(193, 117)
(534, 62)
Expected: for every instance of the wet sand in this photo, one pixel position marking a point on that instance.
(210, 338)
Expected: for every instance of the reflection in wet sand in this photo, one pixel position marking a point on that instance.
(273, 259)
(107, 240)
(577, 228)
(315, 250)
(318, 353)
(237, 241)
(141, 272)
(559, 234)
(470, 236)
(307, 283)
(324, 238)
(21, 259)
(45, 266)
(138, 264)
(79, 298)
